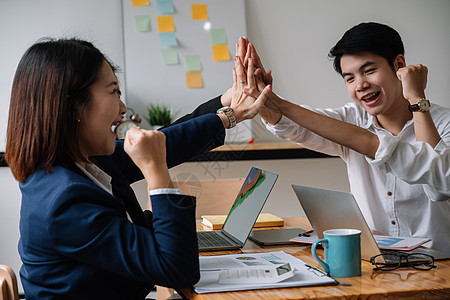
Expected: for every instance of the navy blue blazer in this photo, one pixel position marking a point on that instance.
(77, 242)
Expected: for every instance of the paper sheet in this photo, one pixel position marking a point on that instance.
(165, 24)
(142, 23)
(210, 267)
(199, 12)
(218, 36)
(220, 52)
(169, 56)
(165, 7)
(136, 3)
(167, 39)
(194, 80)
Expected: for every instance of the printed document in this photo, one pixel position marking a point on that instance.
(210, 267)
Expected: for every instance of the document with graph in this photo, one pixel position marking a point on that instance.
(213, 267)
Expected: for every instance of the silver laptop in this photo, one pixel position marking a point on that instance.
(328, 209)
(243, 213)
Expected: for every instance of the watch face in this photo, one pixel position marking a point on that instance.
(424, 105)
(123, 127)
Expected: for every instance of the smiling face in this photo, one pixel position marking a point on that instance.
(104, 110)
(371, 82)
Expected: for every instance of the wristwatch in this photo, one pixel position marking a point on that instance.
(423, 105)
(228, 111)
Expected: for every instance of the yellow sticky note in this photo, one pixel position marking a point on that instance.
(220, 52)
(194, 79)
(199, 12)
(139, 3)
(165, 24)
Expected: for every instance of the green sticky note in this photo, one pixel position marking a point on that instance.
(193, 63)
(169, 56)
(142, 23)
(218, 36)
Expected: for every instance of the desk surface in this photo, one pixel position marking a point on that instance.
(405, 283)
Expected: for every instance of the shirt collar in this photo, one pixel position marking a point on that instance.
(97, 175)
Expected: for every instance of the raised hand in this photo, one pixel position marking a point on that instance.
(246, 50)
(414, 82)
(246, 106)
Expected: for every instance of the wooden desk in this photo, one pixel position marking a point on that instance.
(404, 283)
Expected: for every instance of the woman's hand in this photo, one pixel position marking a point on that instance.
(246, 51)
(147, 149)
(245, 106)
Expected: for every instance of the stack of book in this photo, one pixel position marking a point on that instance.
(215, 222)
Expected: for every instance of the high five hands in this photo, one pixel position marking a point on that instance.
(244, 105)
(247, 53)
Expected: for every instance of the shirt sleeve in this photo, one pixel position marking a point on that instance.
(165, 191)
(415, 163)
(289, 130)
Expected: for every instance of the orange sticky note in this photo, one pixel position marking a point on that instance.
(194, 79)
(135, 3)
(165, 23)
(199, 12)
(220, 52)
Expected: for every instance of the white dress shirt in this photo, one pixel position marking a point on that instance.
(405, 190)
(103, 180)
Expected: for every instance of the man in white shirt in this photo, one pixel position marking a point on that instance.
(398, 154)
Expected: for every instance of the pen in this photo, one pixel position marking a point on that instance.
(306, 233)
(325, 274)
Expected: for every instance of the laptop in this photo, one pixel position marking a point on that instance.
(243, 213)
(328, 209)
(322, 207)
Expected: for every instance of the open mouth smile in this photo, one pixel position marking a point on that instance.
(371, 98)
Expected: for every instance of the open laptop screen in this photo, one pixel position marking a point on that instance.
(249, 203)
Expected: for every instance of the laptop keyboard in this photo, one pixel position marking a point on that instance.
(212, 239)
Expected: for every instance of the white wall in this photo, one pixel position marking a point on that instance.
(293, 38)
(9, 220)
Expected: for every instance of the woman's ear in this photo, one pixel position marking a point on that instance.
(399, 62)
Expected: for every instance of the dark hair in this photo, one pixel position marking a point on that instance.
(50, 89)
(372, 37)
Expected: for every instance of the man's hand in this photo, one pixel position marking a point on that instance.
(414, 82)
(246, 106)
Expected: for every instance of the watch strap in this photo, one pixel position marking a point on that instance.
(228, 111)
(418, 106)
(413, 107)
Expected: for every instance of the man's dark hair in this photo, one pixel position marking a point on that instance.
(371, 37)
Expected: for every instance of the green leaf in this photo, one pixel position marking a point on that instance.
(159, 114)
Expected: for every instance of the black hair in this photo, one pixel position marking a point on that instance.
(51, 87)
(372, 37)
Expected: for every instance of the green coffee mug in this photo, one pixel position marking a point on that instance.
(342, 249)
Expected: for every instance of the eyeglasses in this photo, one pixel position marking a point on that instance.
(392, 261)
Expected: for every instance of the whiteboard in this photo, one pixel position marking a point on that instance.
(149, 80)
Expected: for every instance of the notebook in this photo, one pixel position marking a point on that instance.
(243, 213)
(328, 209)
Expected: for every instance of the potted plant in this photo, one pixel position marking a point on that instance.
(159, 115)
